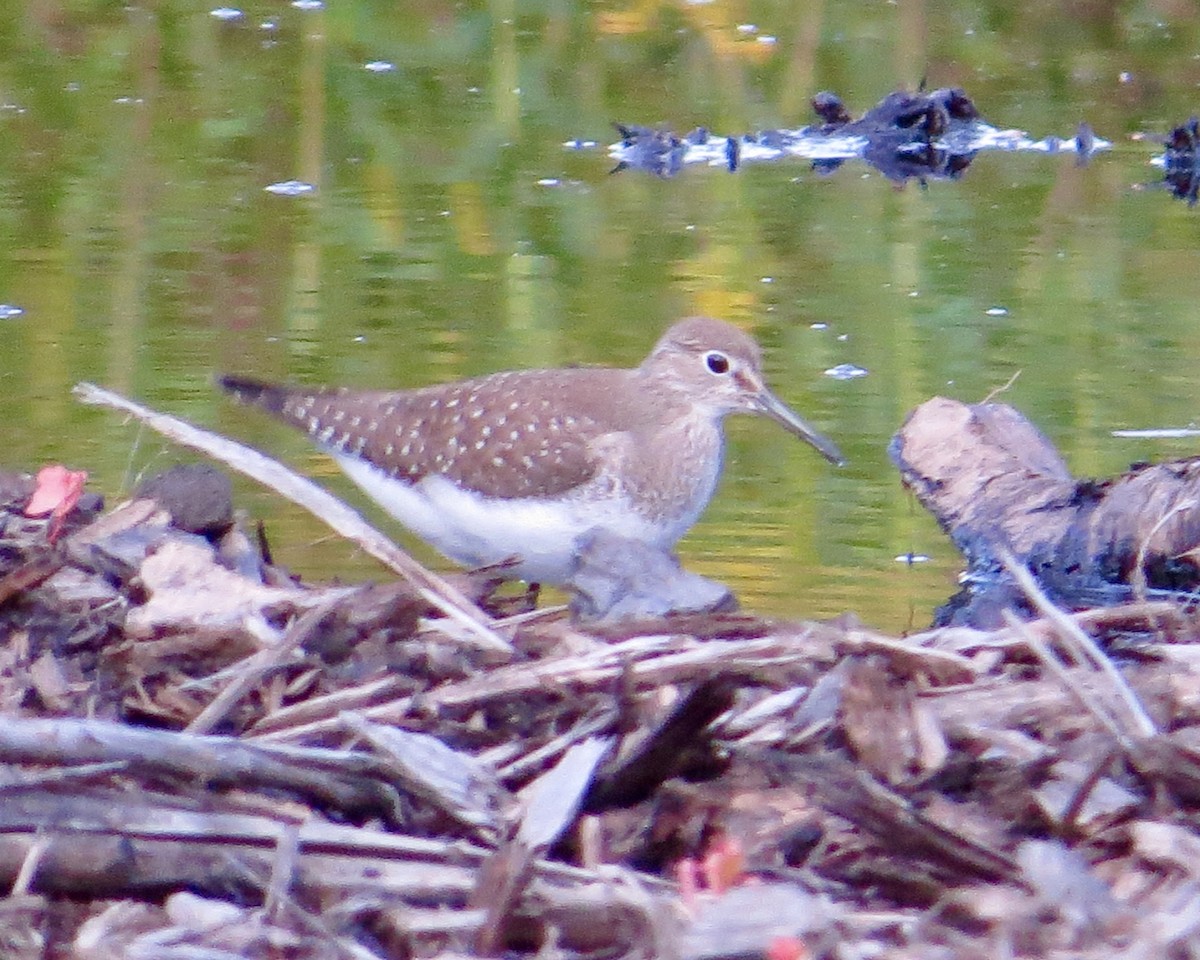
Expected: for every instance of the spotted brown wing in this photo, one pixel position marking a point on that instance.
(509, 435)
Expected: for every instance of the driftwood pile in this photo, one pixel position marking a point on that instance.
(202, 759)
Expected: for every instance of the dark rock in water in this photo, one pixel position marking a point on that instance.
(1181, 171)
(906, 134)
(656, 151)
(829, 107)
(617, 578)
(929, 114)
(198, 496)
(775, 139)
(957, 103)
(1183, 138)
(905, 111)
(1085, 143)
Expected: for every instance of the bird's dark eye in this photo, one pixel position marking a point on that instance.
(716, 362)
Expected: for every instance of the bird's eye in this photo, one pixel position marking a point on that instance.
(716, 362)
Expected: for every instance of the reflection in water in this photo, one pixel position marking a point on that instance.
(451, 234)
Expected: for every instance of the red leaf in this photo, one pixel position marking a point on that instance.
(786, 948)
(56, 493)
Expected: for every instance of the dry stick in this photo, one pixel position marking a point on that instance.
(1143, 726)
(336, 778)
(1085, 789)
(257, 664)
(1152, 612)
(1003, 388)
(1055, 666)
(1138, 578)
(33, 859)
(654, 660)
(328, 706)
(940, 664)
(280, 905)
(283, 871)
(432, 588)
(534, 759)
(578, 672)
(62, 776)
(145, 820)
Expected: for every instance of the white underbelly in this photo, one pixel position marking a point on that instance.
(477, 531)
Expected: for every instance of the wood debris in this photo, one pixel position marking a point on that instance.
(374, 772)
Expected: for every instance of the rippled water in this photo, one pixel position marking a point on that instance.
(185, 192)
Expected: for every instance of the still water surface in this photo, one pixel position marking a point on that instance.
(451, 233)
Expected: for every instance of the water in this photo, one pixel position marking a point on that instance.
(449, 232)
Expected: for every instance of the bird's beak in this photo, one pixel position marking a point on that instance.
(786, 417)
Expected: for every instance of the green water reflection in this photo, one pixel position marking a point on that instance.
(452, 234)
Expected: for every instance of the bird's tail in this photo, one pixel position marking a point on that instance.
(269, 396)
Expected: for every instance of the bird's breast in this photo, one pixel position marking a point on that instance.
(670, 476)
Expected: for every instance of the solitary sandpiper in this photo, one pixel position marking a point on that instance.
(518, 466)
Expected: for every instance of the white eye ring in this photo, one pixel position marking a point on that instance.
(716, 362)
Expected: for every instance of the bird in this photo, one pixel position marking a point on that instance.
(514, 468)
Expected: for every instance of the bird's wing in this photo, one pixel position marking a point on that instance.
(510, 435)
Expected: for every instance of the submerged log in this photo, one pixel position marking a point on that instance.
(995, 483)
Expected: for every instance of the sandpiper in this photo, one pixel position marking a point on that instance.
(515, 467)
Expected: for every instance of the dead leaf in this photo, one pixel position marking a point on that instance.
(58, 490)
